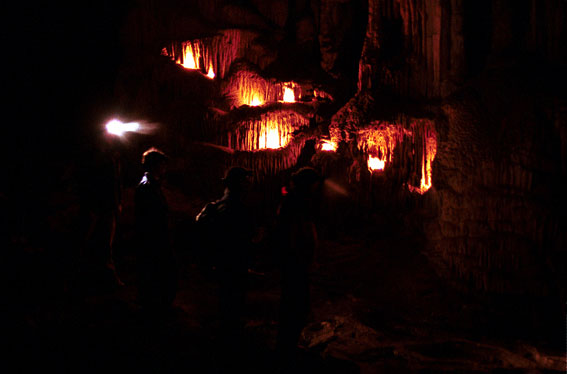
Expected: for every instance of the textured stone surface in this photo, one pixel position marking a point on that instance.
(276, 11)
(495, 211)
(499, 223)
(340, 23)
(414, 48)
(242, 17)
(427, 48)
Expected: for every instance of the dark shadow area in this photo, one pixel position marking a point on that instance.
(446, 255)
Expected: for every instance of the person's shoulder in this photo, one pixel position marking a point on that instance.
(209, 213)
(224, 204)
(207, 210)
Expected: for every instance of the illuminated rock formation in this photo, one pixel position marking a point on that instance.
(271, 130)
(218, 52)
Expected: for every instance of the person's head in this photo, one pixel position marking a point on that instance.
(306, 181)
(154, 162)
(237, 179)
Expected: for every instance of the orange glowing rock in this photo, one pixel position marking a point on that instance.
(320, 94)
(271, 130)
(191, 55)
(247, 88)
(272, 139)
(429, 152)
(219, 51)
(211, 72)
(272, 133)
(375, 163)
(328, 145)
(289, 95)
(256, 100)
(381, 140)
(267, 133)
(404, 142)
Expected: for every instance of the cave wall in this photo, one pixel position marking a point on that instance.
(413, 48)
(428, 48)
(255, 48)
(489, 74)
(492, 73)
(500, 226)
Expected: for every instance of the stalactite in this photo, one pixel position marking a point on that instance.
(428, 139)
(383, 141)
(269, 162)
(270, 130)
(217, 52)
(379, 141)
(246, 87)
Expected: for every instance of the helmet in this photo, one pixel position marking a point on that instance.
(305, 177)
(235, 175)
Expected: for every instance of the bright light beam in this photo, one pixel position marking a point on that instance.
(336, 188)
(117, 127)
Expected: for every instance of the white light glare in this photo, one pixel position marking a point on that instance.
(117, 127)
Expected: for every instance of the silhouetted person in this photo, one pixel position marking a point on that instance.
(231, 240)
(306, 154)
(297, 232)
(156, 261)
(101, 204)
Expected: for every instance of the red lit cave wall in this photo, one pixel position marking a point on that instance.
(251, 49)
(498, 221)
(479, 80)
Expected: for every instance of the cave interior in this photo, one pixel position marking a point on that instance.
(440, 127)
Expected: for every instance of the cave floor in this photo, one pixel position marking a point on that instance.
(408, 321)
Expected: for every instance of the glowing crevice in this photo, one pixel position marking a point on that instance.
(272, 130)
(380, 140)
(211, 73)
(216, 53)
(246, 87)
(289, 93)
(376, 163)
(429, 151)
